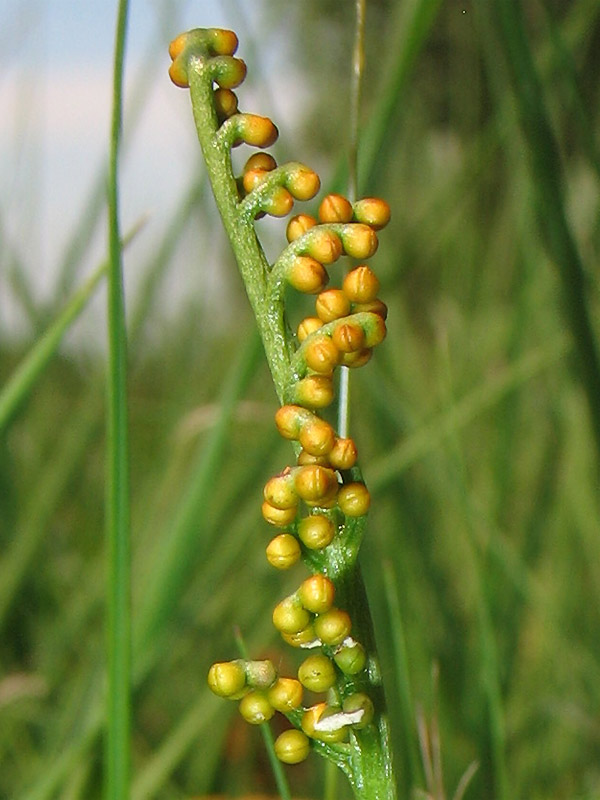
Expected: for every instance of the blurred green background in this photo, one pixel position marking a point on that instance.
(477, 422)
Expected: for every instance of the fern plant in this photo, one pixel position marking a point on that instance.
(318, 505)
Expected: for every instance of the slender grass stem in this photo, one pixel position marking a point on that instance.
(367, 759)
(489, 656)
(18, 387)
(20, 553)
(331, 783)
(117, 751)
(358, 60)
(181, 549)
(246, 247)
(411, 25)
(267, 735)
(407, 712)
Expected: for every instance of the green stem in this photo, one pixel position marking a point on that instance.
(407, 713)
(358, 61)
(371, 773)
(367, 759)
(372, 777)
(117, 753)
(276, 765)
(332, 774)
(248, 252)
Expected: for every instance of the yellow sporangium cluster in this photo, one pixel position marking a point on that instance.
(263, 188)
(312, 500)
(218, 43)
(317, 500)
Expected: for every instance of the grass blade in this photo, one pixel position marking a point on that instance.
(117, 750)
(413, 23)
(21, 552)
(489, 660)
(267, 734)
(181, 548)
(407, 713)
(427, 438)
(18, 387)
(16, 390)
(547, 181)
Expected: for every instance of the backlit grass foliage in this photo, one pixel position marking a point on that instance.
(477, 423)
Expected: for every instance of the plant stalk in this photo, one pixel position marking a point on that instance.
(117, 752)
(366, 760)
(247, 250)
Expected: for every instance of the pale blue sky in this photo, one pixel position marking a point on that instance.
(55, 91)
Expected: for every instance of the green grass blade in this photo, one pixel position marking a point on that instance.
(182, 549)
(427, 438)
(267, 735)
(181, 553)
(331, 781)
(18, 387)
(407, 713)
(358, 60)
(206, 720)
(489, 664)
(200, 723)
(567, 72)
(94, 204)
(23, 292)
(490, 674)
(160, 263)
(547, 181)
(78, 244)
(117, 749)
(412, 23)
(32, 527)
